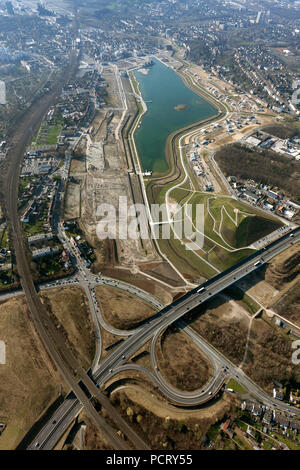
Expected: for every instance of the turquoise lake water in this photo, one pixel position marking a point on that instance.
(165, 89)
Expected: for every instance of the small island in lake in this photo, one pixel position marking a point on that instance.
(144, 71)
(180, 107)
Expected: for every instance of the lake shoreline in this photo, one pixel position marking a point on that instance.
(164, 117)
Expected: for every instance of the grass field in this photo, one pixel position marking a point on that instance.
(239, 296)
(48, 133)
(230, 228)
(53, 134)
(235, 386)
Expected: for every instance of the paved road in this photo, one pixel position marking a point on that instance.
(196, 397)
(169, 315)
(177, 397)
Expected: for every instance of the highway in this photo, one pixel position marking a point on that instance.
(117, 359)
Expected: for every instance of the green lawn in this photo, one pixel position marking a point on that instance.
(213, 432)
(293, 445)
(237, 229)
(236, 387)
(34, 228)
(10, 434)
(53, 134)
(48, 134)
(134, 83)
(254, 228)
(4, 238)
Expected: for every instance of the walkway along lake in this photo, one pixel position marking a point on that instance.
(171, 107)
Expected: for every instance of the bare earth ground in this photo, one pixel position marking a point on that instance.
(78, 166)
(147, 400)
(181, 362)
(92, 440)
(70, 307)
(72, 206)
(135, 378)
(284, 274)
(154, 288)
(107, 177)
(284, 268)
(225, 324)
(122, 310)
(29, 383)
(108, 339)
(162, 271)
(288, 306)
(261, 290)
(224, 139)
(269, 350)
(276, 286)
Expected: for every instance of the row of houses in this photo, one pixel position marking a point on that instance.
(40, 237)
(47, 250)
(264, 197)
(270, 417)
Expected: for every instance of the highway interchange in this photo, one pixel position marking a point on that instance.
(223, 368)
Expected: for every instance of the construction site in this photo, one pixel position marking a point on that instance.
(103, 171)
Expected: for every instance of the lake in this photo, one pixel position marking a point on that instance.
(171, 107)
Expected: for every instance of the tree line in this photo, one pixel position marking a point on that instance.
(263, 166)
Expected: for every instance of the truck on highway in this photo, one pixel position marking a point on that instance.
(257, 262)
(202, 289)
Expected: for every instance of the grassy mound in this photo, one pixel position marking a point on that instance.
(252, 229)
